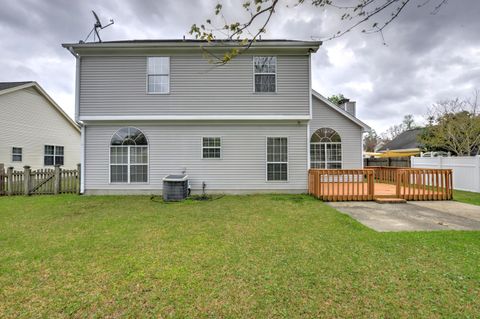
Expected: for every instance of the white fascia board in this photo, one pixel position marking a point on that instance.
(18, 87)
(192, 117)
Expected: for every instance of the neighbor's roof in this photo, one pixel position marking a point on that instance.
(192, 43)
(9, 87)
(352, 118)
(406, 140)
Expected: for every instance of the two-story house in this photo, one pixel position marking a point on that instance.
(149, 108)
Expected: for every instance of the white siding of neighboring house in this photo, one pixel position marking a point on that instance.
(116, 86)
(175, 146)
(350, 132)
(29, 121)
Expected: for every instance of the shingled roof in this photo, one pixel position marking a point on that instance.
(9, 85)
(406, 140)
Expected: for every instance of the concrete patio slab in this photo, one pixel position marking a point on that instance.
(413, 216)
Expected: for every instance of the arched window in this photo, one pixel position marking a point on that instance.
(325, 149)
(128, 156)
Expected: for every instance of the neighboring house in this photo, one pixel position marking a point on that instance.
(150, 108)
(35, 131)
(405, 143)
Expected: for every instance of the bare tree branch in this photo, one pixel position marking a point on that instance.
(262, 10)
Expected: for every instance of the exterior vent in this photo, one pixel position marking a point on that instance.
(175, 187)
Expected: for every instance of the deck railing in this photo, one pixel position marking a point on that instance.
(385, 174)
(341, 184)
(359, 184)
(425, 184)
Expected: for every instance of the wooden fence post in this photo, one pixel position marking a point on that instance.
(79, 169)
(2, 179)
(57, 180)
(10, 181)
(26, 180)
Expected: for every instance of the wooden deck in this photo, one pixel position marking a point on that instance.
(380, 189)
(371, 184)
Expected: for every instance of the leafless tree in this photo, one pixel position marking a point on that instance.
(454, 125)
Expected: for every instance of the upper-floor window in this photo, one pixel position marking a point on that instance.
(16, 154)
(53, 155)
(211, 147)
(158, 77)
(265, 73)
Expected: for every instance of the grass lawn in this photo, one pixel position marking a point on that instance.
(281, 256)
(467, 197)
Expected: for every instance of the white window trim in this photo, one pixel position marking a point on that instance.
(203, 147)
(147, 74)
(110, 165)
(267, 162)
(128, 164)
(54, 154)
(327, 161)
(276, 73)
(21, 154)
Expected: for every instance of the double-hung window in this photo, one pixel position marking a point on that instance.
(53, 155)
(265, 73)
(158, 75)
(277, 159)
(211, 147)
(16, 154)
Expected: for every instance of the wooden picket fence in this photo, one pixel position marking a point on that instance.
(341, 184)
(39, 182)
(360, 184)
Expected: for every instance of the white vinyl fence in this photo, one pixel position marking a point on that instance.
(466, 169)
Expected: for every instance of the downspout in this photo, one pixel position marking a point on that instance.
(77, 83)
(310, 107)
(82, 159)
(77, 118)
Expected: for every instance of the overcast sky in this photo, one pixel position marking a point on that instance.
(426, 57)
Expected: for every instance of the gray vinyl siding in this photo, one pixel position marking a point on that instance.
(350, 133)
(116, 85)
(176, 146)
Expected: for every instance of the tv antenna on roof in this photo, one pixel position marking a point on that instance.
(96, 28)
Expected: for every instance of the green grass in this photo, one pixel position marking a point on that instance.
(261, 256)
(467, 197)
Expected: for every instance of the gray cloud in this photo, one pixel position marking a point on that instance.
(427, 57)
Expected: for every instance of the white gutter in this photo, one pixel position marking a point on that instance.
(192, 117)
(189, 44)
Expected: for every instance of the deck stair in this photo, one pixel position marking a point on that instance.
(389, 200)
